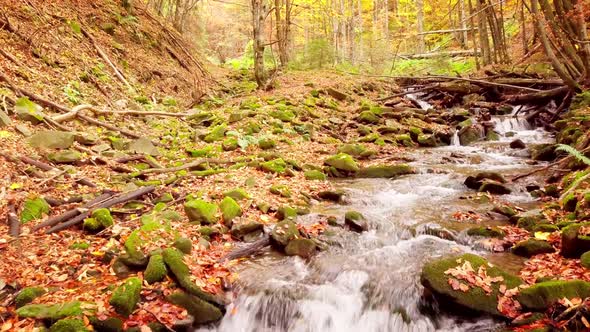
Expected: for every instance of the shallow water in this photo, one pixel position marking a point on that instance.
(370, 281)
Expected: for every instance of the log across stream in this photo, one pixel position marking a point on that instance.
(370, 281)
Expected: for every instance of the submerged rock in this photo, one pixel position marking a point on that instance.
(475, 299)
(356, 221)
(304, 248)
(517, 144)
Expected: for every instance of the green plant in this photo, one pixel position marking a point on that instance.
(72, 92)
(574, 153)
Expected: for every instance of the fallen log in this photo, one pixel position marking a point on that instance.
(247, 250)
(536, 97)
(121, 198)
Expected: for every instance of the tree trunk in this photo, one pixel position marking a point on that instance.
(258, 16)
(420, 25)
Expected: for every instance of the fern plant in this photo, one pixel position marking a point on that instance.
(574, 153)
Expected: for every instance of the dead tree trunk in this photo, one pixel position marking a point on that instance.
(258, 17)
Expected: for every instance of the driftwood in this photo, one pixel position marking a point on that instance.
(74, 212)
(247, 250)
(118, 199)
(13, 222)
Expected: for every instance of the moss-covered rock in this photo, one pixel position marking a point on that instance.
(103, 217)
(281, 190)
(356, 150)
(286, 212)
(427, 140)
(574, 244)
(156, 269)
(486, 232)
(569, 202)
(504, 210)
(531, 247)
(285, 115)
(202, 311)
(529, 222)
(368, 117)
(27, 295)
(126, 296)
(283, 233)
(436, 282)
(304, 248)
(267, 143)
(216, 134)
(201, 212)
(174, 260)
(585, 260)
(278, 166)
(241, 230)
(314, 175)
(385, 171)
(34, 208)
(183, 244)
(69, 325)
(543, 152)
(545, 228)
(64, 156)
(356, 221)
(342, 162)
(53, 311)
(542, 295)
(229, 144)
(111, 324)
(52, 139)
(494, 188)
(230, 209)
(237, 194)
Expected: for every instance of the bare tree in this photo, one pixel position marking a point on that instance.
(258, 8)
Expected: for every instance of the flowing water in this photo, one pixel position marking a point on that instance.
(370, 281)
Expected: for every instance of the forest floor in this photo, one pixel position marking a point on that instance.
(198, 179)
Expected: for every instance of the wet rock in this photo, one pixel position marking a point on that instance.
(470, 134)
(574, 243)
(486, 232)
(504, 210)
(494, 188)
(342, 162)
(517, 144)
(52, 139)
(283, 233)
(385, 171)
(202, 311)
(543, 152)
(436, 283)
(304, 248)
(356, 221)
(492, 135)
(64, 157)
(241, 230)
(541, 296)
(332, 195)
(437, 231)
(427, 140)
(531, 247)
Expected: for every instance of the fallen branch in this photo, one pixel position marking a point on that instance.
(247, 250)
(103, 55)
(121, 198)
(538, 96)
(185, 166)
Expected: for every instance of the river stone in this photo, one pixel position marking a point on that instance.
(356, 150)
(436, 283)
(278, 166)
(241, 230)
(202, 311)
(52, 139)
(532, 247)
(470, 134)
(4, 119)
(27, 110)
(573, 244)
(283, 233)
(304, 248)
(332, 195)
(368, 117)
(342, 162)
(543, 152)
(541, 296)
(504, 210)
(517, 144)
(486, 232)
(64, 156)
(314, 175)
(494, 188)
(385, 171)
(356, 221)
(200, 212)
(427, 140)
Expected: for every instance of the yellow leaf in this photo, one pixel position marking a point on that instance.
(15, 186)
(4, 134)
(542, 235)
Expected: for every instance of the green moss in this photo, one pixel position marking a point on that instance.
(216, 134)
(540, 296)
(486, 232)
(278, 166)
(183, 244)
(545, 228)
(286, 212)
(433, 277)
(174, 260)
(126, 296)
(385, 171)
(200, 310)
(241, 230)
(585, 259)
(569, 202)
(80, 245)
(573, 245)
(283, 232)
(285, 115)
(229, 144)
(133, 245)
(368, 117)
(230, 209)
(314, 175)
(531, 247)
(301, 247)
(111, 324)
(281, 190)
(69, 325)
(267, 144)
(34, 208)
(156, 269)
(199, 211)
(237, 194)
(103, 217)
(342, 162)
(527, 223)
(356, 150)
(27, 295)
(53, 311)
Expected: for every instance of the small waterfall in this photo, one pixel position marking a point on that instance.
(416, 98)
(510, 123)
(455, 141)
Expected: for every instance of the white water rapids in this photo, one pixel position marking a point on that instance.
(370, 281)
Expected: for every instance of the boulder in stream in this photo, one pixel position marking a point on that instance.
(283, 233)
(494, 188)
(460, 295)
(356, 221)
(517, 144)
(532, 247)
(385, 171)
(304, 248)
(541, 296)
